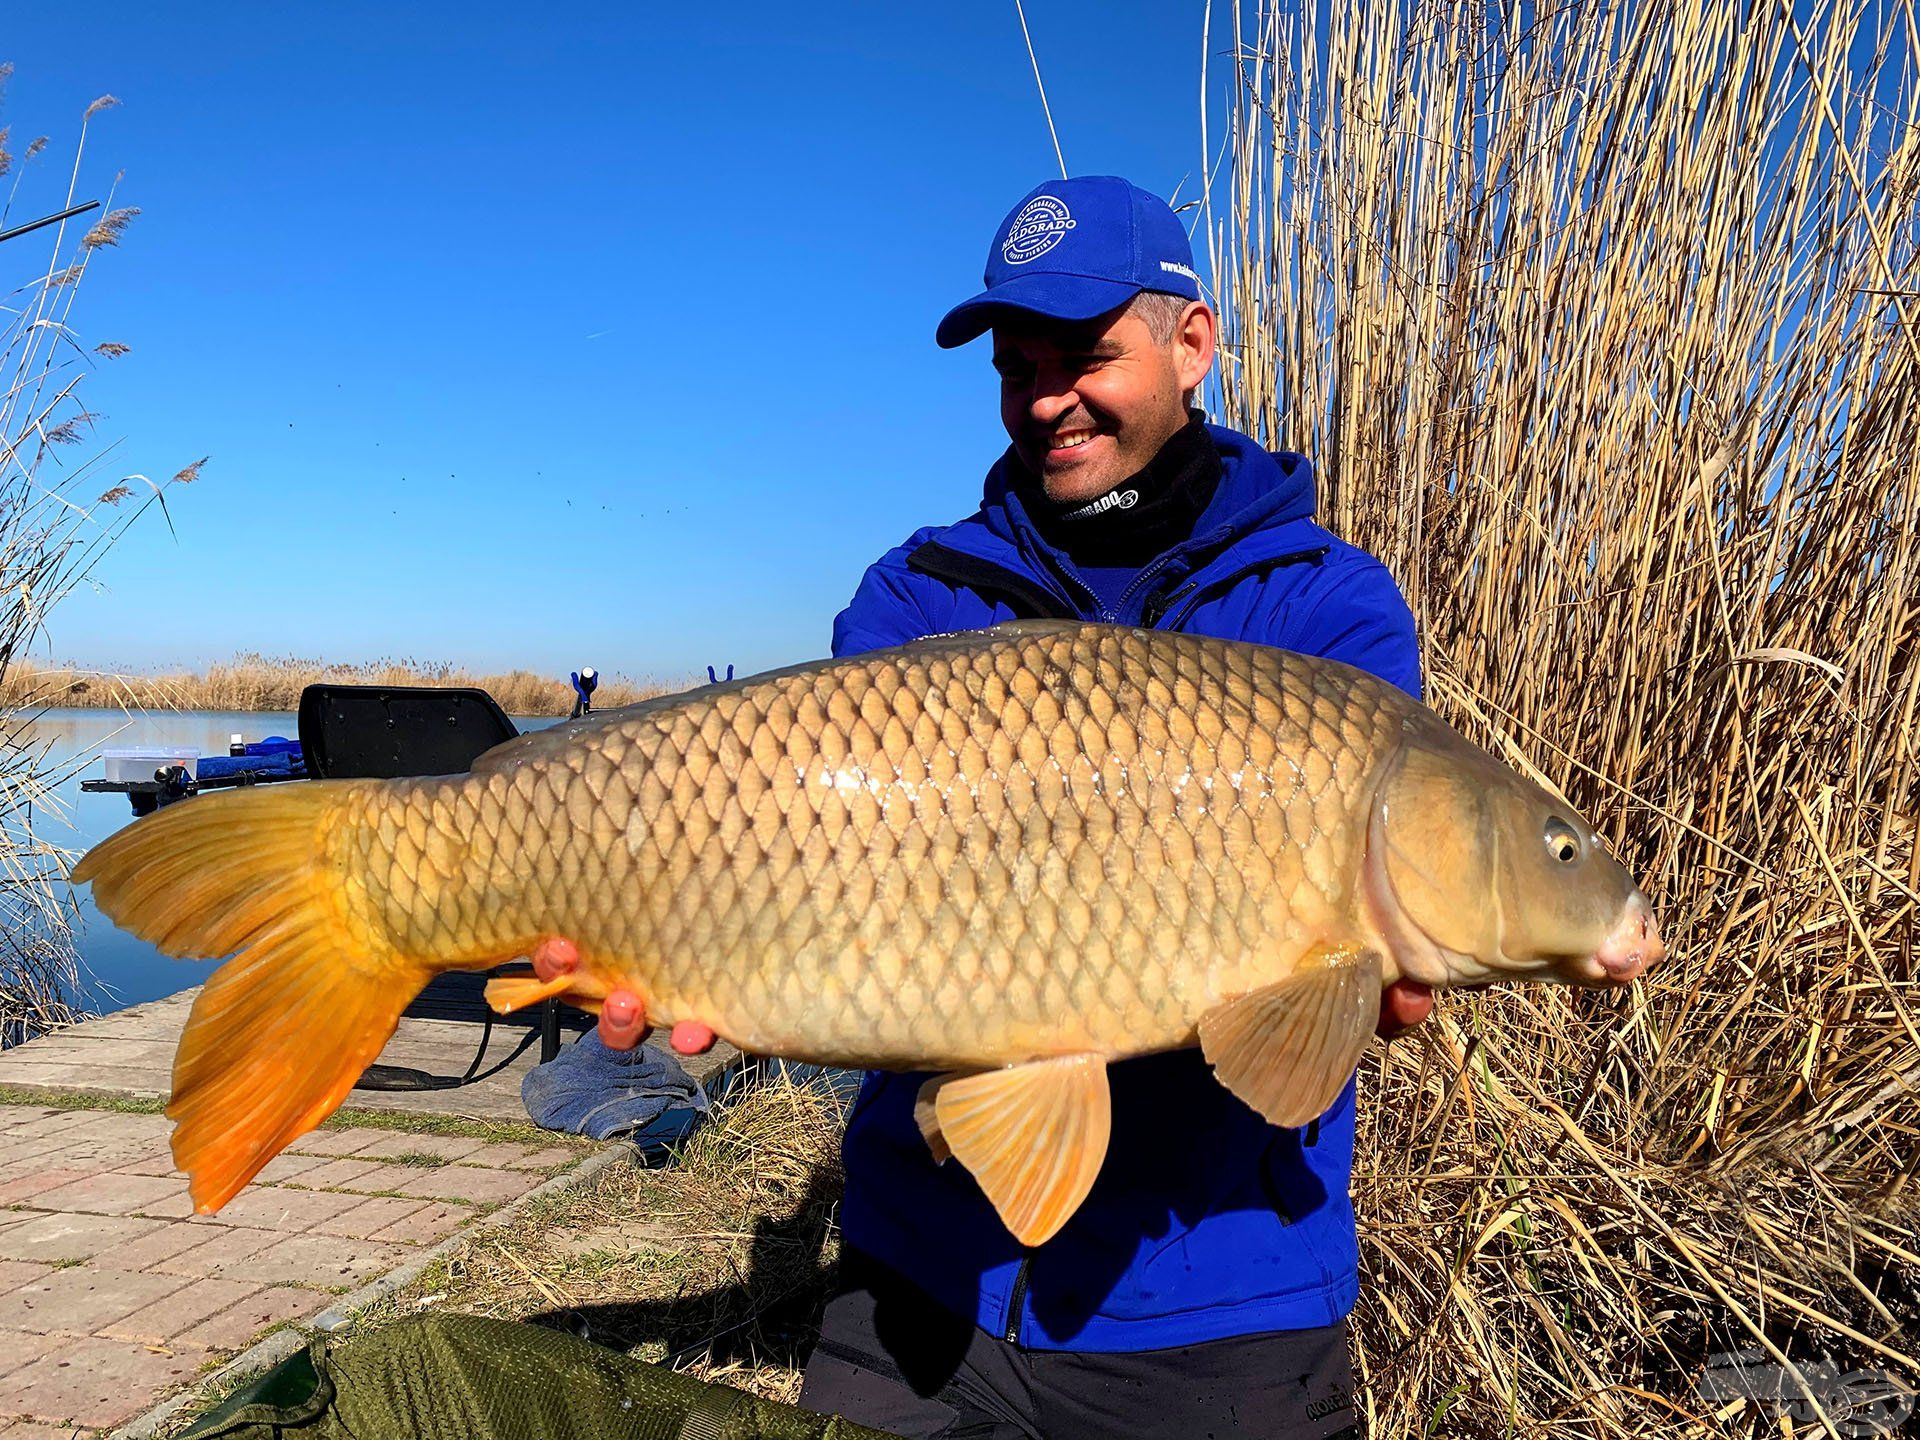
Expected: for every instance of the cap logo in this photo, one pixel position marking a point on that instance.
(1041, 224)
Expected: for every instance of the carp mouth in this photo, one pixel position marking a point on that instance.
(1630, 947)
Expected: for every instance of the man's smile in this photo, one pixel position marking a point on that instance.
(1070, 446)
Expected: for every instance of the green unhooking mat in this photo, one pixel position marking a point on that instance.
(462, 1377)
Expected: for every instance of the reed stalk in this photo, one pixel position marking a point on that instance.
(1601, 323)
(58, 515)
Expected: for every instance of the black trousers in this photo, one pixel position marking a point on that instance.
(892, 1358)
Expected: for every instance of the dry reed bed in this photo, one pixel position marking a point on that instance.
(272, 684)
(1602, 325)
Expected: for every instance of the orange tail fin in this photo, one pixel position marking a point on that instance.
(281, 1032)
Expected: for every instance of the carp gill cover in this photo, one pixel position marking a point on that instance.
(1010, 856)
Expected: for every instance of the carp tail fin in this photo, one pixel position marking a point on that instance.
(280, 1033)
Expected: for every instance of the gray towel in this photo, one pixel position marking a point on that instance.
(589, 1089)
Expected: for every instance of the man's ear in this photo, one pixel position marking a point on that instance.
(1194, 338)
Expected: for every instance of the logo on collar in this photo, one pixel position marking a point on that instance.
(1112, 500)
(1042, 223)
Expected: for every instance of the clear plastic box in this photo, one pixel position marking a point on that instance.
(140, 762)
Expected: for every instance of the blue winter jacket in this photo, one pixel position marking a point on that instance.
(1206, 1221)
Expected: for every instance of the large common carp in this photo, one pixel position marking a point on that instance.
(1009, 856)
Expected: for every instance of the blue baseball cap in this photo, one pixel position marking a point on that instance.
(1074, 249)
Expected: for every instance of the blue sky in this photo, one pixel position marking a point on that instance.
(546, 335)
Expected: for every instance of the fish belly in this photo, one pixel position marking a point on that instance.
(979, 849)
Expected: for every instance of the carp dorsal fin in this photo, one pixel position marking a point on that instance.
(1288, 1048)
(1035, 629)
(979, 639)
(1033, 1135)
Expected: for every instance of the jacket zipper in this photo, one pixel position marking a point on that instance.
(1093, 600)
(1137, 583)
(1017, 1301)
(1158, 605)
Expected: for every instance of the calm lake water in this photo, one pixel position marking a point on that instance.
(117, 969)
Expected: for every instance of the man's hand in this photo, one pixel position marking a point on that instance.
(1403, 1005)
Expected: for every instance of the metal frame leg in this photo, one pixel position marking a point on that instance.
(549, 1030)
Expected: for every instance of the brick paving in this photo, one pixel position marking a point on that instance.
(112, 1293)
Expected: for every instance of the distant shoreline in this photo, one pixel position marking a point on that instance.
(253, 683)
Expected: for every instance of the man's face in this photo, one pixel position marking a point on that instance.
(1089, 403)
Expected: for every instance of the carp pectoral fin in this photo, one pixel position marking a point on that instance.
(508, 993)
(1288, 1048)
(1033, 1135)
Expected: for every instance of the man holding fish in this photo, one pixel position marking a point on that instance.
(1202, 1287)
(991, 863)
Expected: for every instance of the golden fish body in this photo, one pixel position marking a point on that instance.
(950, 855)
(1045, 842)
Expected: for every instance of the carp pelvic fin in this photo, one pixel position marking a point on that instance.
(280, 1033)
(508, 993)
(1288, 1048)
(1033, 1135)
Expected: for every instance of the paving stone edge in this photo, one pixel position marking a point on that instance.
(339, 1317)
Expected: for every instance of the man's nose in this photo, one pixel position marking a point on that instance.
(1053, 396)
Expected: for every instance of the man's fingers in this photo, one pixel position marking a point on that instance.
(555, 956)
(690, 1037)
(1403, 1005)
(623, 1020)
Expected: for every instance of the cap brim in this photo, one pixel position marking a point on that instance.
(1051, 294)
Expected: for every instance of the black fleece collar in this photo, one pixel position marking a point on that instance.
(1143, 516)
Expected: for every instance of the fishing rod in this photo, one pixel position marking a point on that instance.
(33, 225)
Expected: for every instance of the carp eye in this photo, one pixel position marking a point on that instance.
(1563, 841)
